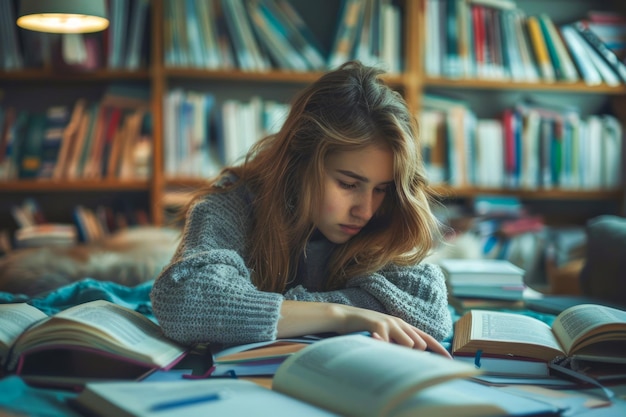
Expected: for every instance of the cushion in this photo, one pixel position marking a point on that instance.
(603, 275)
(129, 257)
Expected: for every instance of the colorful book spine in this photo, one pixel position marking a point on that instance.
(57, 119)
(541, 51)
(568, 69)
(348, 26)
(553, 55)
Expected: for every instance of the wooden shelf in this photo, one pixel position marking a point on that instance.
(45, 75)
(578, 87)
(277, 76)
(527, 194)
(77, 186)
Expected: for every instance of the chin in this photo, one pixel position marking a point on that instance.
(338, 240)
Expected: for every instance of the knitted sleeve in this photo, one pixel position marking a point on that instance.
(416, 294)
(205, 294)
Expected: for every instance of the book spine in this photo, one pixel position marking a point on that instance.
(588, 71)
(541, 51)
(606, 54)
(346, 32)
(567, 63)
(57, 119)
(479, 39)
(452, 67)
(31, 149)
(551, 48)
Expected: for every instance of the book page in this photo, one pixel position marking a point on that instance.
(356, 375)
(272, 351)
(575, 323)
(115, 326)
(507, 327)
(460, 397)
(14, 319)
(269, 349)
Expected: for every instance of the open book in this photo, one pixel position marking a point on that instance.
(351, 375)
(94, 340)
(262, 358)
(258, 358)
(587, 332)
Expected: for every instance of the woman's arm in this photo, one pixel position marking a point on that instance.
(304, 317)
(205, 294)
(415, 294)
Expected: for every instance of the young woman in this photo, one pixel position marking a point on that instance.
(321, 229)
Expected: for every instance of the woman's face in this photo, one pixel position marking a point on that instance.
(355, 184)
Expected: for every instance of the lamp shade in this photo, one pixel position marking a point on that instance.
(63, 16)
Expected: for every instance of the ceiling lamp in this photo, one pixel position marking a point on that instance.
(63, 16)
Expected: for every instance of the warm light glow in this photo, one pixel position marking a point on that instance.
(63, 23)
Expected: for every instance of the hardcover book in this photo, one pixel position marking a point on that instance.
(588, 332)
(97, 340)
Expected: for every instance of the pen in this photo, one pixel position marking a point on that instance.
(183, 402)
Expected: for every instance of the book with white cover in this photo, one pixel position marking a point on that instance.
(481, 271)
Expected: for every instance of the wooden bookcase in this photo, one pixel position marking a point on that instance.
(411, 82)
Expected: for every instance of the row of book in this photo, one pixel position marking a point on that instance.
(201, 136)
(123, 45)
(529, 146)
(110, 138)
(258, 35)
(494, 39)
(89, 225)
(96, 224)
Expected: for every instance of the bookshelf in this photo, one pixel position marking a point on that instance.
(412, 81)
(488, 96)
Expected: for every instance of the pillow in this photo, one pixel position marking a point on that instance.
(603, 275)
(129, 257)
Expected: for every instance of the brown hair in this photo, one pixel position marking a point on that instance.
(346, 109)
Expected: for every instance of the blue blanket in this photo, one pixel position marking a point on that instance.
(15, 395)
(136, 298)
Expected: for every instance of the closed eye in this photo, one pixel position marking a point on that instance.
(346, 186)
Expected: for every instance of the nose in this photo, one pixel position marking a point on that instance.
(364, 206)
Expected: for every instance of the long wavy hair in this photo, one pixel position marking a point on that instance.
(346, 109)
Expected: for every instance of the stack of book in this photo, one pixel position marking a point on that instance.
(48, 234)
(475, 283)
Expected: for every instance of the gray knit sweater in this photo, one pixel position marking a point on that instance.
(206, 295)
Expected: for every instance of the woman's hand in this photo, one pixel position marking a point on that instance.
(300, 317)
(388, 328)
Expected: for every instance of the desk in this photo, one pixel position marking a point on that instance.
(16, 398)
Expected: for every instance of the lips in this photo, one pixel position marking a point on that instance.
(350, 229)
